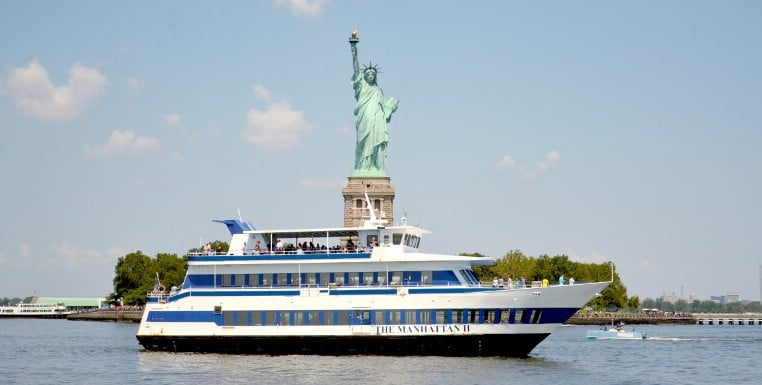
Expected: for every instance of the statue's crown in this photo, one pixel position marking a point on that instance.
(371, 67)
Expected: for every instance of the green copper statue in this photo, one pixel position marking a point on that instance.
(373, 113)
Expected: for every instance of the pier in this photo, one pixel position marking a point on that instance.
(727, 319)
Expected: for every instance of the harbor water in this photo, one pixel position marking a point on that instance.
(41, 351)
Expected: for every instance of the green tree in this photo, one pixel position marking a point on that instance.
(133, 279)
(135, 274)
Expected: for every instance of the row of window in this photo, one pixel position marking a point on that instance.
(378, 317)
(375, 278)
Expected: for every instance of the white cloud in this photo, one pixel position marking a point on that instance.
(123, 143)
(278, 128)
(72, 256)
(321, 183)
(541, 167)
(303, 7)
(262, 93)
(173, 120)
(506, 162)
(135, 84)
(35, 95)
(550, 161)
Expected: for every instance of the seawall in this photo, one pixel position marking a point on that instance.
(108, 315)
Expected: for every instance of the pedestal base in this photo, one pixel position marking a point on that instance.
(381, 194)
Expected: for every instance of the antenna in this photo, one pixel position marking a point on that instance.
(239, 214)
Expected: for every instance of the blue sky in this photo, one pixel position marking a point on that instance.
(608, 130)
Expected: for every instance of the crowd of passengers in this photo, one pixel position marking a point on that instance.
(306, 248)
(299, 248)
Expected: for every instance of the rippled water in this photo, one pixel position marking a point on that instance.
(75, 352)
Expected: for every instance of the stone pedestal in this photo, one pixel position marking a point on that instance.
(380, 192)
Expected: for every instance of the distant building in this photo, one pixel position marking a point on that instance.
(732, 297)
(670, 298)
(727, 298)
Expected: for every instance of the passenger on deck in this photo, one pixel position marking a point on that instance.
(279, 246)
(257, 248)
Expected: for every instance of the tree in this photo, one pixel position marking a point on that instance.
(136, 273)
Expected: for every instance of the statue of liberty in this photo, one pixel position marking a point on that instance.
(373, 113)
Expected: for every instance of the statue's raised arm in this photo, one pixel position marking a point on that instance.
(373, 113)
(353, 40)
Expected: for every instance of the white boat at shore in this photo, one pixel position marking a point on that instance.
(35, 310)
(356, 290)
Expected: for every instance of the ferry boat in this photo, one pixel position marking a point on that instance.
(35, 310)
(366, 290)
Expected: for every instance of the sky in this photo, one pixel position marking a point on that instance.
(602, 130)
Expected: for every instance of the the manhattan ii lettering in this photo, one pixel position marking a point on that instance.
(423, 329)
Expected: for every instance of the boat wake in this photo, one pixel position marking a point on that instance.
(676, 339)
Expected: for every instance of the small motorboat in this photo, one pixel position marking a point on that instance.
(615, 333)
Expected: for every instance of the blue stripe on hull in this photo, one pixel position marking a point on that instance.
(511, 345)
(549, 315)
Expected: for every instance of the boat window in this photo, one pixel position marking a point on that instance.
(518, 317)
(441, 317)
(324, 279)
(284, 318)
(426, 278)
(396, 277)
(372, 240)
(226, 278)
(354, 279)
(282, 279)
(313, 317)
(397, 238)
(394, 317)
(382, 278)
(536, 314)
(386, 239)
